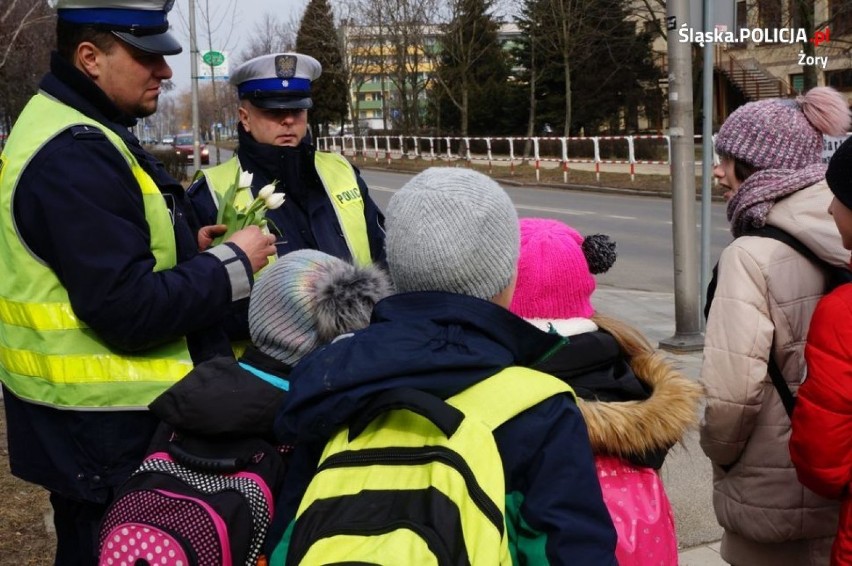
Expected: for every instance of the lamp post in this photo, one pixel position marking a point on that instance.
(193, 66)
(687, 336)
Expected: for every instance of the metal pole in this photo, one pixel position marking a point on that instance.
(706, 157)
(687, 336)
(193, 66)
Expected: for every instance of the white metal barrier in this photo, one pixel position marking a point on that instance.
(598, 150)
(562, 150)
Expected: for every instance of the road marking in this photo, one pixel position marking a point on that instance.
(518, 206)
(555, 210)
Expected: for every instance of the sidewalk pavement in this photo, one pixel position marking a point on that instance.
(687, 473)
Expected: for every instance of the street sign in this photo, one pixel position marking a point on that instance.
(213, 58)
(213, 65)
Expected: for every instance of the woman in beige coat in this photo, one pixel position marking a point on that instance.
(766, 293)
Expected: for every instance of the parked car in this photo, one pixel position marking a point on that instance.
(184, 147)
(168, 140)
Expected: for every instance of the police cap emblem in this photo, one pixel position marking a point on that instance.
(285, 66)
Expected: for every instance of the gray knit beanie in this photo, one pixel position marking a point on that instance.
(452, 229)
(307, 298)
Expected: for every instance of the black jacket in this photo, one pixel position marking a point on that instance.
(307, 219)
(79, 208)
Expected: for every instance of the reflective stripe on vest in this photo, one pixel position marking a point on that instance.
(341, 187)
(47, 354)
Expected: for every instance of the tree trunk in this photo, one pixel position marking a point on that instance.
(806, 19)
(567, 128)
(465, 101)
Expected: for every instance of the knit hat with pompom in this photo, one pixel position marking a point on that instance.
(556, 268)
(781, 133)
(307, 298)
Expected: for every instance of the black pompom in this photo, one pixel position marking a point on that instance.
(600, 252)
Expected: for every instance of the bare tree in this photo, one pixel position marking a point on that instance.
(564, 39)
(652, 13)
(270, 35)
(408, 31)
(26, 38)
(469, 41)
(17, 16)
(365, 45)
(208, 112)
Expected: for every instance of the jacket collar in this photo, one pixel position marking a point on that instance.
(440, 343)
(265, 362)
(273, 162)
(526, 343)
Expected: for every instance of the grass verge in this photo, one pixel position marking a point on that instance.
(24, 536)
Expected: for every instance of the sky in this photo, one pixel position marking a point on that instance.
(230, 28)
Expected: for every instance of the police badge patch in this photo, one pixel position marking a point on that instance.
(285, 66)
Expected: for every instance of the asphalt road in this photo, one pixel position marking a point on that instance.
(641, 226)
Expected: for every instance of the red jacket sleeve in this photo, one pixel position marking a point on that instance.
(821, 441)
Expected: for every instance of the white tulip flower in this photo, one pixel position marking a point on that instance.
(266, 191)
(245, 179)
(274, 201)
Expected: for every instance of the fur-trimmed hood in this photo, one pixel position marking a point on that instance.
(623, 420)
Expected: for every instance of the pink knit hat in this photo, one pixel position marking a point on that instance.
(781, 133)
(555, 270)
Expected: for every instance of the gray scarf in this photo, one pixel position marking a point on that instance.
(751, 204)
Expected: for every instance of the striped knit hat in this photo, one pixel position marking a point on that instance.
(307, 298)
(454, 230)
(556, 270)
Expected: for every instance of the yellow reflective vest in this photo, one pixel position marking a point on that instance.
(341, 187)
(47, 355)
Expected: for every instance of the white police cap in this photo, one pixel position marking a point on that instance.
(143, 24)
(279, 80)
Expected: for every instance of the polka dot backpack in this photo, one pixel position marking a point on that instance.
(188, 508)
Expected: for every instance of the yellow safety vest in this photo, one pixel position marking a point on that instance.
(47, 354)
(340, 184)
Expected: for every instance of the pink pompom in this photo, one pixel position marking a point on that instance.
(827, 110)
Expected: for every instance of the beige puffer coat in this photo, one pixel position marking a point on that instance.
(764, 300)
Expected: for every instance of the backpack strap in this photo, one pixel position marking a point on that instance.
(835, 275)
(507, 394)
(446, 417)
(787, 397)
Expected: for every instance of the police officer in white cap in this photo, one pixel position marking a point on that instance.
(105, 297)
(327, 205)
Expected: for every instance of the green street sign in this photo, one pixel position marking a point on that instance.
(213, 58)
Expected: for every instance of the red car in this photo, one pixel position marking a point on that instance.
(184, 147)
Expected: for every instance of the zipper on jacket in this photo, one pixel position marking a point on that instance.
(403, 456)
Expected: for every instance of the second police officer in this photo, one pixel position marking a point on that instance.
(327, 205)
